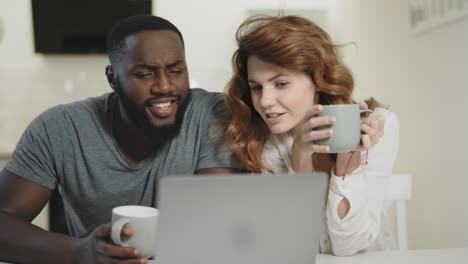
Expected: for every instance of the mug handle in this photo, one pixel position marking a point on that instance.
(365, 111)
(117, 230)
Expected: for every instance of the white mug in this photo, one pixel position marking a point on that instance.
(143, 220)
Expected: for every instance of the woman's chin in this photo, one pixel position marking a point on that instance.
(278, 130)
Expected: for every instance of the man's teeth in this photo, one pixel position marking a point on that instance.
(163, 105)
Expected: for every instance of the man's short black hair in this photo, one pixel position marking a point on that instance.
(132, 25)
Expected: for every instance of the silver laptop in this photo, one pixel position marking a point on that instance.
(240, 219)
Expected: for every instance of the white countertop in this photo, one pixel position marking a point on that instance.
(426, 256)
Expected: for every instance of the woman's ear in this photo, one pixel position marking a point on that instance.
(110, 76)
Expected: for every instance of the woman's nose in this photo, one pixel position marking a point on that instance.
(268, 98)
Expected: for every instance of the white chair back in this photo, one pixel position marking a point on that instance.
(399, 190)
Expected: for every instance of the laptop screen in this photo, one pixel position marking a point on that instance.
(240, 218)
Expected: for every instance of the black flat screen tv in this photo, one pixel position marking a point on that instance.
(79, 26)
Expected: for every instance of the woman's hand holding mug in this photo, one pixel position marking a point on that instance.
(372, 128)
(305, 137)
(336, 129)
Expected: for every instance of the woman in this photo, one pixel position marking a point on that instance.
(285, 69)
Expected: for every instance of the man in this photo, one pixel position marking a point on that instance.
(110, 150)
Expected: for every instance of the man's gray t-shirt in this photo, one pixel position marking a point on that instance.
(71, 146)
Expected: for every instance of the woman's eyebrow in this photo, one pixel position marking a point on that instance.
(270, 79)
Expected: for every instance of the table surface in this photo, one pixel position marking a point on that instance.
(426, 256)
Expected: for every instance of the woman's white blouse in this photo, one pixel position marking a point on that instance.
(366, 226)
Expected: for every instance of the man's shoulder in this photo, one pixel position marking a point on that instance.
(99, 103)
(204, 98)
(92, 105)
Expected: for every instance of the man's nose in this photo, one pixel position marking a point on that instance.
(162, 85)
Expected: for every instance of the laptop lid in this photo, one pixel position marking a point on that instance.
(233, 219)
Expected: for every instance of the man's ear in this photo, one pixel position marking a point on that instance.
(110, 76)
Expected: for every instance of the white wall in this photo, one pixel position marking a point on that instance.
(31, 83)
(438, 133)
(209, 28)
(424, 79)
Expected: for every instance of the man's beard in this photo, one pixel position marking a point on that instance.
(157, 135)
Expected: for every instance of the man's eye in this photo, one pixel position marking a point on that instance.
(175, 71)
(142, 74)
